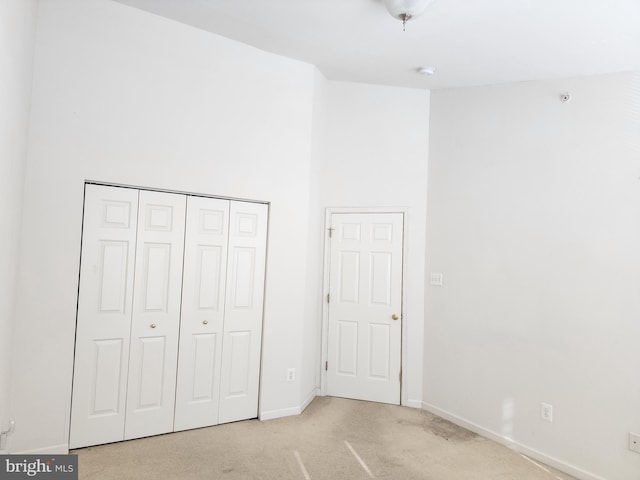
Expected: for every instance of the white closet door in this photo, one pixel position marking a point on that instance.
(203, 296)
(104, 315)
(243, 312)
(156, 314)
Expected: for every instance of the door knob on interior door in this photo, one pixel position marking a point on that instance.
(153, 325)
(205, 322)
(394, 317)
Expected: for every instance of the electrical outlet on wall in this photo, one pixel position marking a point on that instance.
(546, 412)
(436, 279)
(291, 374)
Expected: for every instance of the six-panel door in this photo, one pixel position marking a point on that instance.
(364, 347)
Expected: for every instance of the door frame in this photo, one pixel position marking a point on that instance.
(324, 354)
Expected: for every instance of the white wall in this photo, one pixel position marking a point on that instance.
(17, 37)
(312, 324)
(375, 155)
(124, 96)
(534, 220)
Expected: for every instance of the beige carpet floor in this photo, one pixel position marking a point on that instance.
(333, 439)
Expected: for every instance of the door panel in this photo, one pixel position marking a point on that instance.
(347, 348)
(349, 277)
(380, 278)
(244, 263)
(240, 345)
(379, 340)
(156, 314)
(107, 381)
(209, 275)
(204, 371)
(155, 272)
(151, 372)
(365, 286)
(203, 293)
(104, 313)
(242, 333)
(113, 282)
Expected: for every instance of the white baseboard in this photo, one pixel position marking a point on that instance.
(283, 412)
(309, 399)
(61, 449)
(518, 447)
(288, 412)
(413, 403)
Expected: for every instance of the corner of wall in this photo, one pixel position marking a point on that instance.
(18, 23)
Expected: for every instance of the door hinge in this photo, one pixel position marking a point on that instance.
(328, 297)
(400, 376)
(326, 365)
(331, 229)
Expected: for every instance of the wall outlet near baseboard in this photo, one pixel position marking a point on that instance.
(546, 412)
(634, 442)
(291, 374)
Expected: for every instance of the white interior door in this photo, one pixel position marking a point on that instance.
(203, 299)
(156, 314)
(365, 307)
(243, 312)
(104, 307)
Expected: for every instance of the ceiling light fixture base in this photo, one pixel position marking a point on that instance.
(405, 10)
(426, 71)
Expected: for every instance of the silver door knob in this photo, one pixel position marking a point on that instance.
(153, 325)
(205, 322)
(394, 317)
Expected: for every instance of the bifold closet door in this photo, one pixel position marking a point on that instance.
(104, 315)
(242, 334)
(169, 314)
(222, 302)
(203, 296)
(155, 323)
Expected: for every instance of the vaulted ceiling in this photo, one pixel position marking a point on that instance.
(468, 42)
